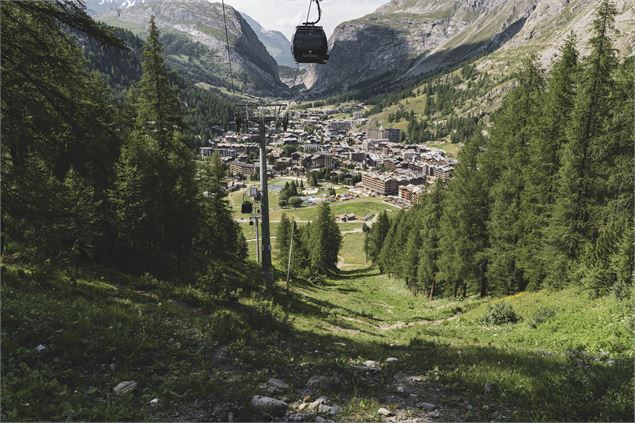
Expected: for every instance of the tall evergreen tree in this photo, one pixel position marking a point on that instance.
(325, 241)
(375, 237)
(283, 240)
(544, 161)
(428, 266)
(464, 237)
(570, 226)
(511, 136)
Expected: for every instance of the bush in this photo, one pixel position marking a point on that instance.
(540, 316)
(283, 203)
(295, 201)
(500, 314)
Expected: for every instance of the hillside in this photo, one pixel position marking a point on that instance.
(200, 46)
(407, 40)
(196, 358)
(277, 44)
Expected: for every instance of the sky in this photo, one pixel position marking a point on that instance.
(285, 15)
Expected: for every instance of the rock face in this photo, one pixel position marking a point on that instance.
(196, 43)
(406, 40)
(277, 44)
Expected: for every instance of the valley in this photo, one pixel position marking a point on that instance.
(448, 213)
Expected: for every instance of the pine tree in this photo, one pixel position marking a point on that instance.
(283, 239)
(514, 127)
(570, 228)
(428, 266)
(463, 226)
(376, 236)
(545, 151)
(325, 241)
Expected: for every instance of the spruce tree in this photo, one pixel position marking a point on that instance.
(507, 156)
(283, 238)
(463, 226)
(375, 238)
(545, 151)
(427, 271)
(570, 227)
(325, 241)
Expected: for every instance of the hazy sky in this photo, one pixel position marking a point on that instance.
(284, 15)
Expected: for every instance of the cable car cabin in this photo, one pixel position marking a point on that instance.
(246, 207)
(310, 44)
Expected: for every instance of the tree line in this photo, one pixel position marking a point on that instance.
(88, 178)
(545, 200)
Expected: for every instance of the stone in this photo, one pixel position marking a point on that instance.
(269, 405)
(278, 383)
(427, 406)
(316, 404)
(328, 409)
(230, 417)
(384, 412)
(319, 419)
(390, 360)
(154, 402)
(322, 382)
(371, 364)
(400, 389)
(125, 387)
(302, 406)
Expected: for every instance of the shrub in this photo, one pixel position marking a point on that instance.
(540, 316)
(500, 314)
(283, 203)
(295, 201)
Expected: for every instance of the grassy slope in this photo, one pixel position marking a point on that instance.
(193, 352)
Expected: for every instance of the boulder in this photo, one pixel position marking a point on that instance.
(269, 405)
(278, 383)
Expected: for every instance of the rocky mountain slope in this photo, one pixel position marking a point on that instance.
(196, 43)
(277, 44)
(406, 40)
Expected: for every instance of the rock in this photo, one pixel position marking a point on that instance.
(302, 406)
(154, 402)
(488, 388)
(384, 412)
(125, 387)
(230, 417)
(220, 412)
(400, 389)
(269, 405)
(307, 398)
(371, 364)
(316, 404)
(390, 360)
(328, 409)
(319, 419)
(294, 418)
(278, 383)
(40, 348)
(427, 406)
(341, 344)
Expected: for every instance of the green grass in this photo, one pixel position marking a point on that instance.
(194, 351)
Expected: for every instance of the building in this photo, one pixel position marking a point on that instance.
(245, 169)
(380, 184)
(340, 125)
(411, 192)
(357, 157)
(390, 134)
(319, 160)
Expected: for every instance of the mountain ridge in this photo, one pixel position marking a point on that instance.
(407, 40)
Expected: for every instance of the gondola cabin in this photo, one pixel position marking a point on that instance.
(310, 44)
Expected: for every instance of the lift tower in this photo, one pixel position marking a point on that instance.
(269, 117)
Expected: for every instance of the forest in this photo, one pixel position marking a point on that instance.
(546, 200)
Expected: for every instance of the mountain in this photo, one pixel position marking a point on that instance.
(407, 40)
(277, 44)
(195, 44)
